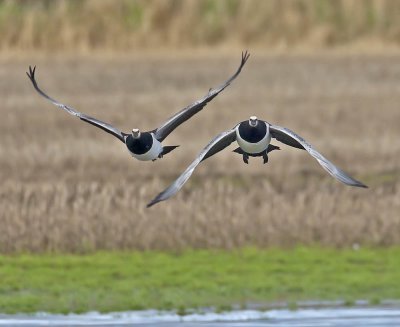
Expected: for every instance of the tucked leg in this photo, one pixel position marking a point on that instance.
(269, 149)
(265, 157)
(246, 158)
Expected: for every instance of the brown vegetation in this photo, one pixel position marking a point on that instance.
(67, 186)
(87, 25)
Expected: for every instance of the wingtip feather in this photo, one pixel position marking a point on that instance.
(152, 202)
(356, 183)
(31, 73)
(245, 56)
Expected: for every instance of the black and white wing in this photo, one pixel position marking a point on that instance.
(216, 145)
(98, 123)
(291, 138)
(165, 129)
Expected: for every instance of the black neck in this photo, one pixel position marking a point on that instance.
(139, 145)
(252, 134)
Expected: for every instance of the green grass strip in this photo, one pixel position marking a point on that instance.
(114, 281)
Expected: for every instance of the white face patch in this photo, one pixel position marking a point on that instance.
(253, 121)
(152, 154)
(135, 133)
(253, 148)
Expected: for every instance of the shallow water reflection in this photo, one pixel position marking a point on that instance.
(343, 317)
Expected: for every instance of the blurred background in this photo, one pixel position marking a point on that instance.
(328, 70)
(76, 26)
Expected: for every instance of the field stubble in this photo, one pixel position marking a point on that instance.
(67, 186)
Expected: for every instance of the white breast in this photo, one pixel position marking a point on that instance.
(152, 154)
(253, 148)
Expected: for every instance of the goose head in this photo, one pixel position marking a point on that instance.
(253, 121)
(135, 133)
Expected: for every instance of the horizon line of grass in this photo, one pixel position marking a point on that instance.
(120, 281)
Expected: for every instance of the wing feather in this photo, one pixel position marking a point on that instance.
(98, 123)
(217, 144)
(289, 137)
(165, 129)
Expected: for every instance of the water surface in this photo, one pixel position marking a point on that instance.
(343, 317)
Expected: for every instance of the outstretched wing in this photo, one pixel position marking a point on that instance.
(217, 144)
(165, 129)
(98, 123)
(291, 138)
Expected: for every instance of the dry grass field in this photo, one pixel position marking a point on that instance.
(67, 186)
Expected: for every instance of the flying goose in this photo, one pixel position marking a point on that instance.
(254, 137)
(145, 146)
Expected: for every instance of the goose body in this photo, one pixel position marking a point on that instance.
(147, 145)
(253, 140)
(253, 137)
(144, 148)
